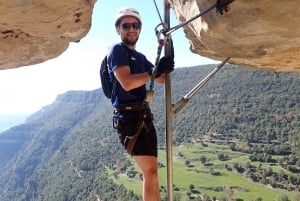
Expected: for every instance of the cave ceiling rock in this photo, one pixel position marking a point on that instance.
(262, 34)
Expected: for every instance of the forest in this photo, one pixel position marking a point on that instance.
(68, 151)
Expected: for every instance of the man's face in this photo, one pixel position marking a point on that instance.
(129, 30)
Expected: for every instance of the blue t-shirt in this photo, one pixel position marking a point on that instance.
(120, 55)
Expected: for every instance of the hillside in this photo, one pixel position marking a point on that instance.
(9, 120)
(63, 151)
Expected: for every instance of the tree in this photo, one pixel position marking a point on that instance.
(191, 186)
(222, 157)
(203, 159)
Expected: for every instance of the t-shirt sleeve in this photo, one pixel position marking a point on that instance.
(118, 57)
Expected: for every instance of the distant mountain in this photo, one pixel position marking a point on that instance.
(62, 151)
(9, 120)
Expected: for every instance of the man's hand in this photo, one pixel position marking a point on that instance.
(166, 65)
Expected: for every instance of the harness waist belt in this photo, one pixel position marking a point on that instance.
(132, 107)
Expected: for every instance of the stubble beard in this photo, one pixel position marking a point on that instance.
(129, 42)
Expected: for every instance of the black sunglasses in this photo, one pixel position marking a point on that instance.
(127, 26)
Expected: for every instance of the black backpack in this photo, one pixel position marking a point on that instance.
(108, 86)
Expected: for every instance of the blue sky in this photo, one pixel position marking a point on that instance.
(27, 89)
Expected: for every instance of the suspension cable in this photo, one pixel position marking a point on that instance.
(190, 20)
(157, 10)
(220, 5)
(161, 42)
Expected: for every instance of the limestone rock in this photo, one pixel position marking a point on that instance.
(33, 31)
(257, 33)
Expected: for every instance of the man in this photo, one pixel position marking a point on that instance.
(132, 115)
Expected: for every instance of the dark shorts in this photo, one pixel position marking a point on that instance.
(137, 124)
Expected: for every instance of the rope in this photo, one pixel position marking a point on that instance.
(161, 42)
(154, 71)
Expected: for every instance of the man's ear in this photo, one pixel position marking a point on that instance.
(118, 30)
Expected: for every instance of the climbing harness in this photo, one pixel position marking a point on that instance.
(172, 109)
(131, 140)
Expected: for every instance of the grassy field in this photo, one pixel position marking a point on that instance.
(192, 178)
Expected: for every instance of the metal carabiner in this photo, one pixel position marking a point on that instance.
(160, 32)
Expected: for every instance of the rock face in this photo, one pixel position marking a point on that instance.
(33, 31)
(256, 33)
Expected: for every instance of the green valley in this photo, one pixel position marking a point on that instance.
(237, 139)
(198, 172)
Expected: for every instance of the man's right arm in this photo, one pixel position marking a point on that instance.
(130, 81)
